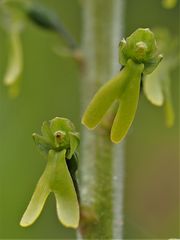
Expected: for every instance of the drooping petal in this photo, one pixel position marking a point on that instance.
(65, 194)
(14, 68)
(127, 108)
(153, 89)
(102, 101)
(157, 89)
(39, 197)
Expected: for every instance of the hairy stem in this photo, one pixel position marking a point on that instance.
(101, 167)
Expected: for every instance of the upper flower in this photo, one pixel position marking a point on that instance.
(141, 47)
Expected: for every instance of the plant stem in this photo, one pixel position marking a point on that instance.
(101, 167)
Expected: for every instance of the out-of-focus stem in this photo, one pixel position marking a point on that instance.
(101, 166)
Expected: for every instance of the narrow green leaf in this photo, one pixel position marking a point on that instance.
(63, 188)
(42, 16)
(127, 108)
(49, 20)
(39, 197)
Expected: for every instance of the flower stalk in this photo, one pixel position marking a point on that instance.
(101, 165)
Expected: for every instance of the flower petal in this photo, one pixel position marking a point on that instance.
(104, 98)
(153, 88)
(127, 108)
(39, 197)
(63, 188)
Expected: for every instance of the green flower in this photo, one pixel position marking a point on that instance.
(58, 144)
(138, 55)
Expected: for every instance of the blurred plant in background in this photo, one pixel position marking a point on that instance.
(13, 25)
(169, 3)
(14, 17)
(157, 87)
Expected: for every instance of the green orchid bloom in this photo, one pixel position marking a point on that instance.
(58, 144)
(138, 55)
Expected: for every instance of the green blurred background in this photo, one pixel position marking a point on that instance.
(51, 87)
